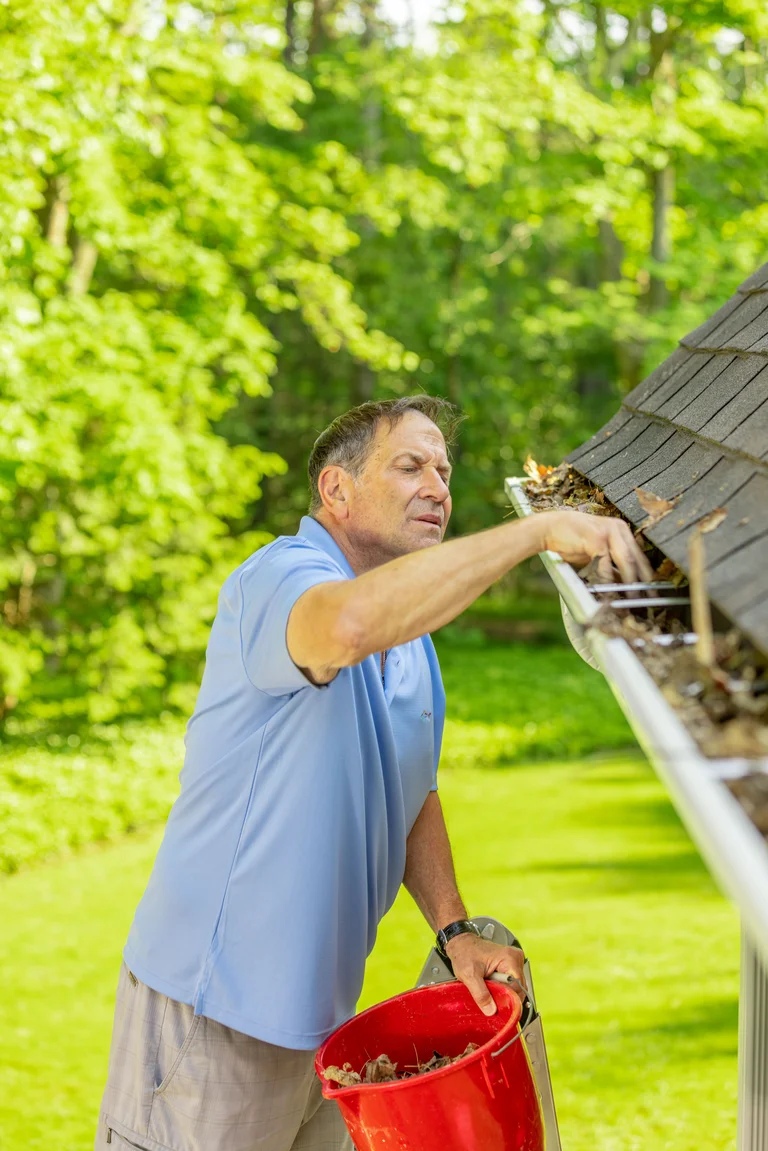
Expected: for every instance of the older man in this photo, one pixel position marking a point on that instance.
(309, 794)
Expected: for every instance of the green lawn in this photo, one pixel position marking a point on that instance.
(585, 860)
(557, 830)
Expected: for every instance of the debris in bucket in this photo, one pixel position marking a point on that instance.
(383, 1070)
(344, 1076)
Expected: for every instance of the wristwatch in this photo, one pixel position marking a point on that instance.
(446, 934)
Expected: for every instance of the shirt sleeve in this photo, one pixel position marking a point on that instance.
(268, 591)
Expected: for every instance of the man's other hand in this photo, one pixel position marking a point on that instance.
(474, 959)
(579, 537)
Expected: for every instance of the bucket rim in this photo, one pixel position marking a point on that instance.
(331, 1090)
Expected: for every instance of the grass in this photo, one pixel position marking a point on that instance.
(586, 861)
(526, 702)
(557, 832)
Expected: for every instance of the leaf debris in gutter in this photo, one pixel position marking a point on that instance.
(723, 700)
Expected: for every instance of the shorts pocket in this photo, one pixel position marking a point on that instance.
(175, 1029)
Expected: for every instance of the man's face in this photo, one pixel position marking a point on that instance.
(401, 501)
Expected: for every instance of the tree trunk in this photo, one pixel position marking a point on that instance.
(83, 265)
(663, 184)
(317, 34)
(58, 217)
(611, 251)
(365, 383)
(290, 32)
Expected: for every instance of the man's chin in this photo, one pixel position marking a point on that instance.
(425, 535)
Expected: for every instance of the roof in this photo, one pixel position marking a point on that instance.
(697, 429)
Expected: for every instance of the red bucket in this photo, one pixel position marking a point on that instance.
(481, 1103)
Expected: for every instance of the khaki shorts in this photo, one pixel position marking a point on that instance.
(182, 1082)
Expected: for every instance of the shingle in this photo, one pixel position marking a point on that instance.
(757, 282)
(697, 364)
(703, 405)
(641, 447)
(615, 423)
(732, 580)
(712, 490)
(700, 335)
(745, 521)
(644, 473)
(711, 367)
(742, 328)
(639, 396)
(610, 445)
(739, 408)
(691, 465)
(760, 346)
(752, 434)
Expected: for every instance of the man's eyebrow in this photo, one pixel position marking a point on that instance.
(420, 458)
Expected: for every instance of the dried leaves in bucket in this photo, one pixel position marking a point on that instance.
(383, 1070)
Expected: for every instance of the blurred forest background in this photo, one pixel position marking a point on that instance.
(223, 222)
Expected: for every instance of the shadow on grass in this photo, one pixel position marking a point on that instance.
(717, 1016)
(643, 811)
(681, 871)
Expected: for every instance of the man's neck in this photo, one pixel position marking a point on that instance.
(361, 558)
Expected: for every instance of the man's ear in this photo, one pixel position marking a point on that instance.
(334, 486)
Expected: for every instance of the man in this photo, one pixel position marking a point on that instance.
(309, 794)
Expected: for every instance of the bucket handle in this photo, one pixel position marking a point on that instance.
(514, 1039)
(528, 1009)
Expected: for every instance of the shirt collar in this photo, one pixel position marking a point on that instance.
(318, 535)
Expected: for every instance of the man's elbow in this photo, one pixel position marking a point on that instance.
(325, 633)
(350, 638)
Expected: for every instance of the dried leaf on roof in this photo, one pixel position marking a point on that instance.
(713, 520)
(655, 506)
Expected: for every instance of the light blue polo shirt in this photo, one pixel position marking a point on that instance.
(286, 845)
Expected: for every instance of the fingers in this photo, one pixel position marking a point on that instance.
(605, 568)
(631, 562)
(511, 963)
(475, 984)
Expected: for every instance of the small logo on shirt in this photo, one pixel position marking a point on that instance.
(426, 715)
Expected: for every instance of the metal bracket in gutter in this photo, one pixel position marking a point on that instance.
(731, 845)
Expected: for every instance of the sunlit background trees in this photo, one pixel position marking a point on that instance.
(221, 223)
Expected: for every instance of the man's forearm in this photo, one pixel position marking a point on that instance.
(340, 623)
(429, 874)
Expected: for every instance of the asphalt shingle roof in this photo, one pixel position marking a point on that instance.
(697, 429)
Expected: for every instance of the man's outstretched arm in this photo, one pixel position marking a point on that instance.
(337, 624)
(431, 880)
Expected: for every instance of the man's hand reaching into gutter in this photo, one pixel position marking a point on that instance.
(606, 538)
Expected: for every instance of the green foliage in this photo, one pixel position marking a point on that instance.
(221, 224)
(61, 795)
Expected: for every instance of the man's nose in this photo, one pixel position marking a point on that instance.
(434, 486)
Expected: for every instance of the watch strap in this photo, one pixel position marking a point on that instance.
(446, 934)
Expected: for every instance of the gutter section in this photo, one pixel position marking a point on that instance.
(732, 847)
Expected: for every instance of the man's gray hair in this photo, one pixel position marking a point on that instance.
(347, 440)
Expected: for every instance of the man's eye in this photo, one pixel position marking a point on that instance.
(409, 469)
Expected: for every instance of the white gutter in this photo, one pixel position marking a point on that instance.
(729, 842)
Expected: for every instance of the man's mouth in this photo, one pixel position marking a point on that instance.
(429, 518)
